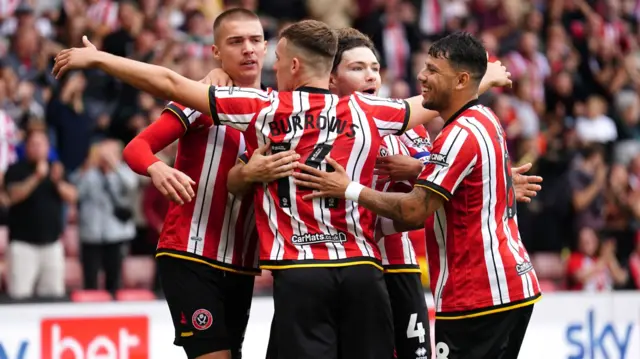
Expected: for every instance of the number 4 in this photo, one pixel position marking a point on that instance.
(415, 330)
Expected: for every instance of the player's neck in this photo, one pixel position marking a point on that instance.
(249, 84)
(312, 81)
(458, 103)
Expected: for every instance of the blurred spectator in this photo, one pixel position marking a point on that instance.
(36, 186)
(587, 181)
(596, 126)
(105, 185)
(594, 267)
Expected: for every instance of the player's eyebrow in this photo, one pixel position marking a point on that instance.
(240, 37)
(363, 63)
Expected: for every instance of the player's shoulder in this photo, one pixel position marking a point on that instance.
(264, 93)
(374, 100)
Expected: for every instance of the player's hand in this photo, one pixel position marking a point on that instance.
(75, 58)
(266, 168)
(497, 75)
(525, 186)
(398, 168)
(326, 184)
(217, 77)
(173, 184)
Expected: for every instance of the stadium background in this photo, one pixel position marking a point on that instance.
(576, 72)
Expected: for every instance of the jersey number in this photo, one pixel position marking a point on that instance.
(442, 351)
(511, 192)
(415, 329)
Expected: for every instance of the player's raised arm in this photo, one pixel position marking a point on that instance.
(496, 76)
(156, 80)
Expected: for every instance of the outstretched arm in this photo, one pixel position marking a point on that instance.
(158, 81)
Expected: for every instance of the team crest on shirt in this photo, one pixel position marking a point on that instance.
(524, 268)
(313, 238)
(202, 319)
(383, 152)
(439, 159)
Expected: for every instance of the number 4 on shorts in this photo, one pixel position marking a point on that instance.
(415, 330)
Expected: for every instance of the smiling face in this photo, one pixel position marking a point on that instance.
(437, 81)
(358, 70)
(240, 48)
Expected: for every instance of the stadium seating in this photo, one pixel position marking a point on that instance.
(91, 296)
(135, 295)
(138, 272)
(73, 273)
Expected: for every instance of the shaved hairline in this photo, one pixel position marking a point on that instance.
(233, 17)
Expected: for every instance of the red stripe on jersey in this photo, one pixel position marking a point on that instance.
(476, 258)
(315, 124)
(215, 225)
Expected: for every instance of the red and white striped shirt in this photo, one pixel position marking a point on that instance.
(216, 226)
(9, 138)
(477, 260)
(104, 12)
(314, 123)
(398, 254)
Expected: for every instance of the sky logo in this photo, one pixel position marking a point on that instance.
(592, 340)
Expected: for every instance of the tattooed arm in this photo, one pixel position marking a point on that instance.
(408, 210)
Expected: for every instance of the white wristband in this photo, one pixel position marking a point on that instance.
(353, 191)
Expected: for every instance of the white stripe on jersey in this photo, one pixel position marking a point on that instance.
(230, 220)
(241, 120)
(359, 153)
(495, 267)
(207, 181)
(300, 105)
(514, 247)
(440, 232)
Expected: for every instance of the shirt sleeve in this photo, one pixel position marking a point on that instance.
(390, 116)
(237, 107)
(417, 142)
(189, 118)
(452, 158)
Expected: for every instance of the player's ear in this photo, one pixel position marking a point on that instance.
(463, 80)
(332, 83)
(295, 65)
(216, 52)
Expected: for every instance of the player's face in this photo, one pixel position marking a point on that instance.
(284, 66)
(437, 80)
(358, 70)
(240, 48)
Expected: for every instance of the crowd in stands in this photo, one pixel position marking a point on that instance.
(573, 111)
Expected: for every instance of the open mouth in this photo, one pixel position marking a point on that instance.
(249, 63)
(370, 91)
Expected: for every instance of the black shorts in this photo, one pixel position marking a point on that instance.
(491, 336)
(330, 313)
(410, 315)
(209, 307)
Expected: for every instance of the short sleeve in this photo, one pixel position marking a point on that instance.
(190, 118)
(390, 116)
(237, 107)
(452, 158)
(417, 142)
